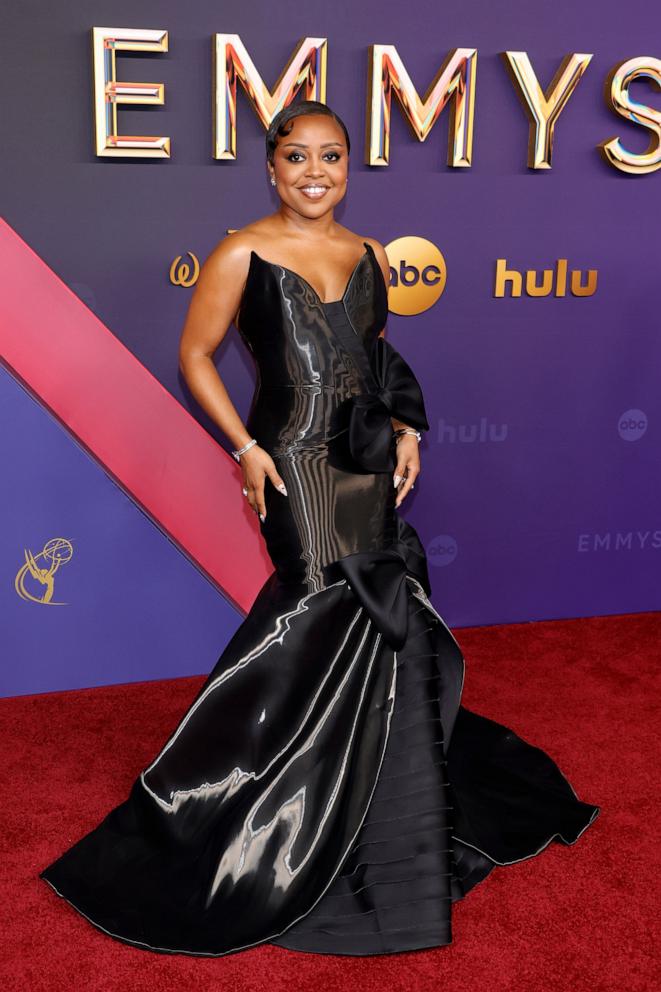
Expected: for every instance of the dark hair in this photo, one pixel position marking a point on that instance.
(277, 128)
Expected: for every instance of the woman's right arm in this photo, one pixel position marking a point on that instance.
(214, 303)
(215, 300)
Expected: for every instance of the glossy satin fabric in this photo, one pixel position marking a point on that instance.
(325, 790)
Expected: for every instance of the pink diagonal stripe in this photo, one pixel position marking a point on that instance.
(141, 435)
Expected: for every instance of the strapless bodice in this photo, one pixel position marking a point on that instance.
(310, 355)
(285, 324)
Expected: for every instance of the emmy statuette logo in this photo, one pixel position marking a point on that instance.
(35, 580)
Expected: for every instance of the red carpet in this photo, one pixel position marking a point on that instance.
(571, 919)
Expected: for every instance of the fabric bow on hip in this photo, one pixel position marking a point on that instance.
(378, 579)
(397, 394)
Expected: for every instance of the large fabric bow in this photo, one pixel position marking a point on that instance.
(398, 395)
(378, 579)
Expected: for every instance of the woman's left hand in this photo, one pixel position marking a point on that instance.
(408, 465)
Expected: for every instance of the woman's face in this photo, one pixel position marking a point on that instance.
(313, 155)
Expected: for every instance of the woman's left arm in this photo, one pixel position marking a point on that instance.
(408, 455)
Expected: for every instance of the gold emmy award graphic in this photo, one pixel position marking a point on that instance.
(58, 551)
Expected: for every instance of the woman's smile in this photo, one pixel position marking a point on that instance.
(313, 191)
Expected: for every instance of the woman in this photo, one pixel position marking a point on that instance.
(325, 791)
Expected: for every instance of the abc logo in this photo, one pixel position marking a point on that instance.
(442, 550)
(417, 275)
(632, 425)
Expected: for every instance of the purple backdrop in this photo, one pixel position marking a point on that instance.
(537, 499)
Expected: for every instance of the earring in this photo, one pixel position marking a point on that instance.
(272, 181)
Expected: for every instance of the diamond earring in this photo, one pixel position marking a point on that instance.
(272, 181)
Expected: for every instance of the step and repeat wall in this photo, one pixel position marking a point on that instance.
(508, 157)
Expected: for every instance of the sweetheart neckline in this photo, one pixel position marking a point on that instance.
(297, 275)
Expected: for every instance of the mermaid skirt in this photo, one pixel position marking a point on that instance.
(323, 792)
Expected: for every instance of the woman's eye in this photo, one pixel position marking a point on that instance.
(290, 157)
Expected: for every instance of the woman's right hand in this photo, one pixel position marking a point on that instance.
(257, 465)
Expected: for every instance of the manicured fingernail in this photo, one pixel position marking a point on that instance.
(262, 517)
(397, 480)
(281, 488)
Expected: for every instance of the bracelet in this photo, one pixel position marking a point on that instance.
(407, 430)
(237, 454)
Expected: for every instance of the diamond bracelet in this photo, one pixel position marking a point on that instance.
(407, 430)
(239, 451)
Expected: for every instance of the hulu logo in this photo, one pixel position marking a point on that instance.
(549, 281)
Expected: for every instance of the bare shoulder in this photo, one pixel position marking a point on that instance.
(219, 291)
(230, 259)
(381, 257)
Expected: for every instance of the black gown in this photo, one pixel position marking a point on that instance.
(326, 791)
